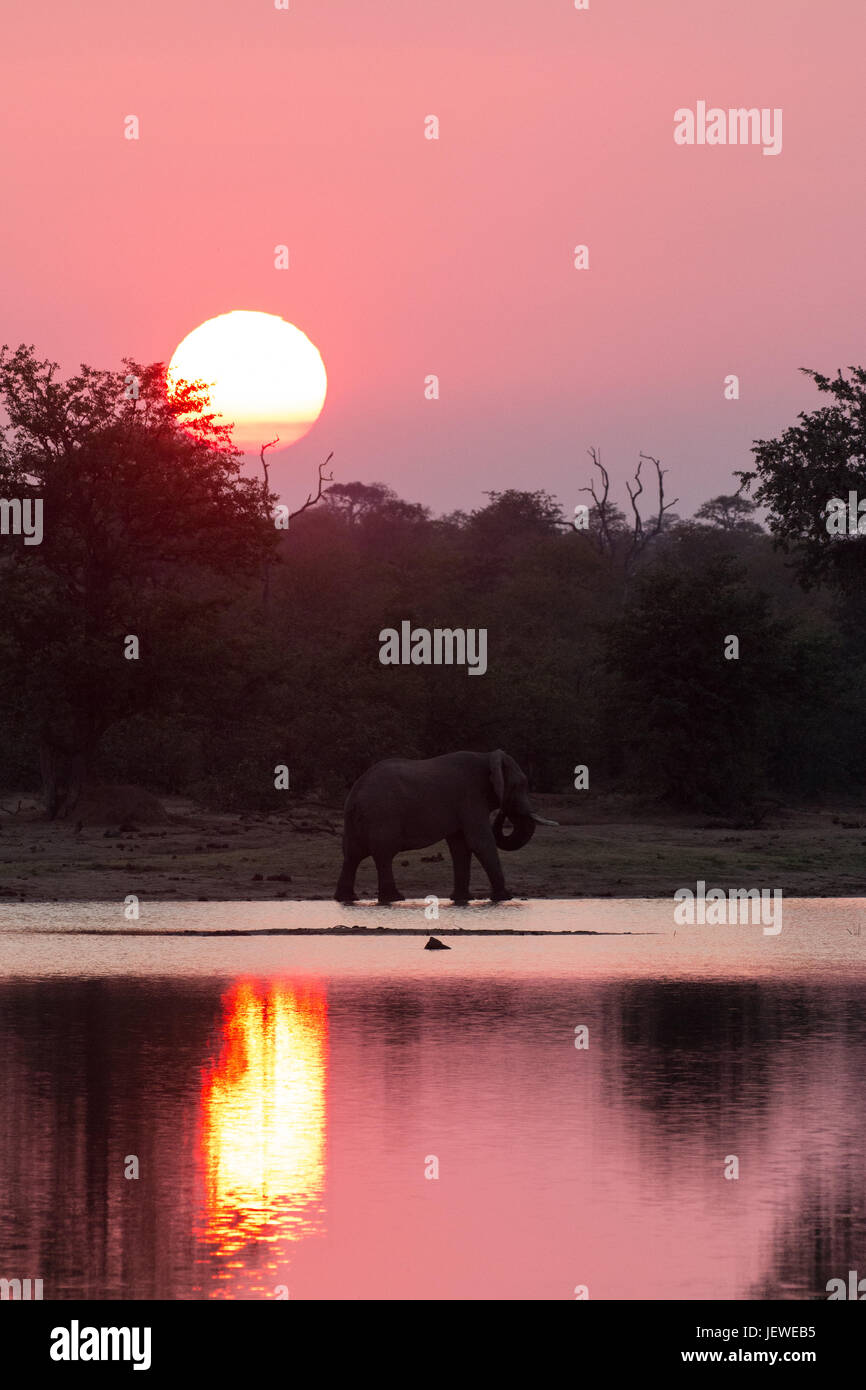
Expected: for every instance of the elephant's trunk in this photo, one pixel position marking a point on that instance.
(522, 831)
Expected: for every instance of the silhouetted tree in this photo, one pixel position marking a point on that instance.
(143, 506)
(700, 727)
(797, 475)
(729, 512)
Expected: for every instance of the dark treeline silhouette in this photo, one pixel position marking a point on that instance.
(258, 647)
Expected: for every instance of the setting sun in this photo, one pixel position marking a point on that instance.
(265, 376)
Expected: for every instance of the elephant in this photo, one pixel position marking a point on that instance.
(410, 803)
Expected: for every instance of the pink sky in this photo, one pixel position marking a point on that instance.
(454, 257)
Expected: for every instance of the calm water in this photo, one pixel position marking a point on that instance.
(284, 1095)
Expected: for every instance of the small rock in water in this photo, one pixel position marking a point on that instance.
(434, 944)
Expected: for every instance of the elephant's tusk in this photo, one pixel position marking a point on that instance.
(542, 820)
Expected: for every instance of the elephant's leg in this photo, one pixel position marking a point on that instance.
(346, 883)
(388, 890)
(482, 844)
(461, 856)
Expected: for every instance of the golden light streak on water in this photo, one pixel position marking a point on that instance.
(263, 1118)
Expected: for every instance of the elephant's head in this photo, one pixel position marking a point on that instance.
(511, 790)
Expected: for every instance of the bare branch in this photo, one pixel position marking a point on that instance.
(637, 539)
(644, 533)
(323, 478)
(663, 506)
(264, 464)
(601, 503)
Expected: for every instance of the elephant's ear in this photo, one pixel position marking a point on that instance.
(497, 774)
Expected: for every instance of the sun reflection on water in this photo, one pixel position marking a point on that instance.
(263, 1123)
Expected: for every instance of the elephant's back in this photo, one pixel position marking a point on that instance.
(420, 772)
(390, 772)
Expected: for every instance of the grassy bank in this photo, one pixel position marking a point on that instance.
(603, 850)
